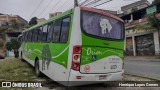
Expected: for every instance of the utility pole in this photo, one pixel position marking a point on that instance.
(75, 3)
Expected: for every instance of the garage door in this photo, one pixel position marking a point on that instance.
(145, 45)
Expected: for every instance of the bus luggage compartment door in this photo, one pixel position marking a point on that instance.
(100, 60)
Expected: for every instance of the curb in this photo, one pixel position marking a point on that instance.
(147, 77)
(153, 60)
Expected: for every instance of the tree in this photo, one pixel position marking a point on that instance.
(15, 23)
(33, 21)
(155, 2)
(13, 45)
(2, 49)
(1, 43)
(152, 23)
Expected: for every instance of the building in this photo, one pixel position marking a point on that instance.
(40, 20)
(135, 6)
(109, 11)
(141, 42)
(6, 19)
(54, 14)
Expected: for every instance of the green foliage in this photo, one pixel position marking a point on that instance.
(8, 46)
(33, 21)
(155, 2)
(1, 43)
(13, 44)
(2, 29)
(153, 23)
(15, 23)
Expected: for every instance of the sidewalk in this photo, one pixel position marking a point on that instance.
(145, 66)
(150, 58)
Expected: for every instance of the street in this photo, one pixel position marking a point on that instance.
(149, 68)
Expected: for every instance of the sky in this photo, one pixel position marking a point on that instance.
(41, 8)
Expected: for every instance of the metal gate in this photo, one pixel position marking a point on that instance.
(145, 45)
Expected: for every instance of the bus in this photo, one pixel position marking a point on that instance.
(78, 47)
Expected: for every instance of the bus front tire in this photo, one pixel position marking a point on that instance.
(37, 71)
(21, 58)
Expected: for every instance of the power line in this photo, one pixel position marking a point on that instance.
(102, 3)
(53, 7)
(92, 2)
(36, 8)
(66, 3)
(83, 2)
(45, 8)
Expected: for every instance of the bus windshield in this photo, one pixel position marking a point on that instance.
(102, 26)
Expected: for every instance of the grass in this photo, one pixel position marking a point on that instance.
(16, 70)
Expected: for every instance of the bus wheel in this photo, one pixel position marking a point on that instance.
(37, 71)
(21, 58)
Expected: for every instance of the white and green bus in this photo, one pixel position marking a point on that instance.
(82, 44)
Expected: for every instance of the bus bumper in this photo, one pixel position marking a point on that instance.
(76, 78)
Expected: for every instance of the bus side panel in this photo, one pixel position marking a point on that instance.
(57, 67)
(28, 53)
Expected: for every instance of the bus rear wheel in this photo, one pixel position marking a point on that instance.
(21, 57)
(37, 71)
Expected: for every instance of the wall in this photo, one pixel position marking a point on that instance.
(129, 46)
(142, 43)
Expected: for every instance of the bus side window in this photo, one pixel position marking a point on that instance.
(50, 30)
(44, 33)
(26, 39)
(39, 34)
(35, 35)
(56, 31)
(23, 37)
(65, 29)
(30, 36)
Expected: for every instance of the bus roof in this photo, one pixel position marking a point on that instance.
(51, 19)
(70, 11)
(101, 12)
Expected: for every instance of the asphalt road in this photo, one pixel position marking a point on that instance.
(149, 68)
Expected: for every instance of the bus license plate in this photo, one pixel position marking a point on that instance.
(104, 77)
